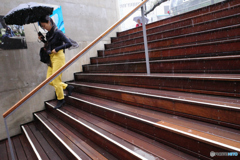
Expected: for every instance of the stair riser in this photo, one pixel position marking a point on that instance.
(202, 86)
(205, 10)
(97, 139)
(196, 111)
(223, 65)
(170, 138)
(207, 36)
(231, 20)
(45, 131)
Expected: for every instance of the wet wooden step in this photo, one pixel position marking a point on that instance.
(21, 147)
(197, 27)
(158, 46)
(208, 35)
(171, 48)
(202, 11)
(43, 146)
(213, 109)
(131, 140)
(106, 142)
(212, 84)
(162, 131)
(220, 64)
(74, 145)
(228, 133)
(194, 21)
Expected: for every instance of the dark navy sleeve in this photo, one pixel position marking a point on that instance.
(66, 41)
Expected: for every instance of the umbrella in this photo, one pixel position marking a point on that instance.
(27, 13)
(140, 18)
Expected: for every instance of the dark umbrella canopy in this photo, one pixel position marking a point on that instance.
(27, 13)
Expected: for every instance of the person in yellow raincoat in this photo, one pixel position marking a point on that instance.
(56, 43)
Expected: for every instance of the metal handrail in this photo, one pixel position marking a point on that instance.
(47, 81)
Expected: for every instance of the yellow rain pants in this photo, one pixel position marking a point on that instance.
(58, 60)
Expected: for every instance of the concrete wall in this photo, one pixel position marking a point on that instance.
(21, 71)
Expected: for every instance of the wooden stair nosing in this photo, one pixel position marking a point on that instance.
(130, 153)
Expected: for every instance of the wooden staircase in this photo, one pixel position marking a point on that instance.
(188, 107)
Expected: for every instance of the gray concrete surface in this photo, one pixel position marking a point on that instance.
(21, 71)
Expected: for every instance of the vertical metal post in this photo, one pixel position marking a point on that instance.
(9, 139)
(145, 41)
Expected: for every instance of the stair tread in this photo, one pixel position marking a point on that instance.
(219, 134)
(20, 150)
(231, 103)
(75, 143)
(41, 153)
(79, 139)
(129, 139)
(23, 151)
(109, 135)
(54, 146)
(43, 142)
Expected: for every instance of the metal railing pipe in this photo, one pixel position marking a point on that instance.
(145, 41)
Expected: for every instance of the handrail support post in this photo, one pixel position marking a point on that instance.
(9, 139)
(145, 41)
